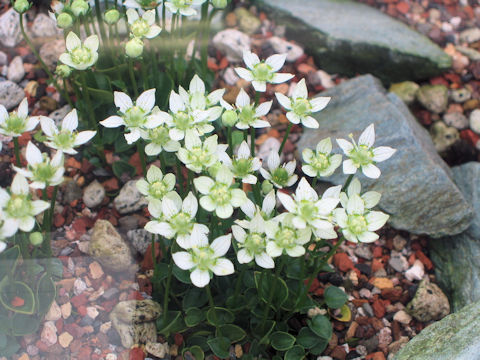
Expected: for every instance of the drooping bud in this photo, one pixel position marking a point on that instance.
(134, 48)
(112, 16)
(36, 238)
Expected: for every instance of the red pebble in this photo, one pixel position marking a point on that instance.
(375, 356)
(178, 339)
(342, 262)
(424, 259)
(136, 354)
(377, 252)
(469, 136)
(378, 308)
(439, 81)
(403, 7)
(79, 300)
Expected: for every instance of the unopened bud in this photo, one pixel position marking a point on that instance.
(112, 16)
(79, 7)
(21, 6)
(220, 4)
(229, 118)
(63, 71)
(36, 238)
(266, 186)
(64, 21)
(134, 48)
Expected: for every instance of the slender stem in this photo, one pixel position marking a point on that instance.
(205, 32)
(163, 165)
(272, 291)
(230, 141)
(86, 94)
(144, 76)
(52, 205)
(314, 182)
(164, 15)
(98, 13)
(180, 176)
(167, 290)
(42, 63)
(289, 127)
(141, 153)
(252, 141)
(132, 77)
(349, 180)
(16, 148)
(212, 306)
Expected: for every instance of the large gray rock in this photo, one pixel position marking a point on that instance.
(457, 258)
(453, 337)
(349, 38)
(10, 33)
(10, 94)
(129, 199)
(416, 185)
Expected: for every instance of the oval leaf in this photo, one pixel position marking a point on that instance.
(295, 353)
(335, 298)
(219, 316)
(10, 290)
(220, 346)
(321, 326)
(282, 341)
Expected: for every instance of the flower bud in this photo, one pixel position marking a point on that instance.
(229, 118)
(64, 21)
(63, 71)
(220, 4)
(266, 186)
(112, 16)
(36, 238)
(213, 170)
(79, 7)
(21, 6)
(134, 48)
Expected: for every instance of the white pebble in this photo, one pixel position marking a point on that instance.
(416, 272)
(475, 121)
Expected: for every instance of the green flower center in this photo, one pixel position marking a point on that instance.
(147, 4)
(181, 223)
(203, 257)
(361, 155)
(43, 172)
(280, 176)
(262, 72)
(135, 117)
(140, 28)
(285, 238)
(307, 210)
(320, 162)
(182, 121)
(15, 124)
(220, 193)
(19, 206)
(182, 4)
(64, 139)
(159, 136)
(81, 55)
(301, 106)
(254, 243)
(242, 167)
(247, 114)
(357, 224)
(158, 189)
(200, 157)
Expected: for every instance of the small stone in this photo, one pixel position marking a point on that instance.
(429, 302)
(96, 271)
(24, 356)
(129, 199)
(58, 115)
(105, 327)
(443, 136)
(471, 104)
(230, 76)
(399, 242)
(232, 43)
(93, 194)
(384, 336)
(66, 310)
(65, 339)
(475, 121)
(54, 313)
(31, 88)
(342, 262)
(44, 26)
(416, 272)
(472, 54)
(293, 51)
(368, 309)
(79, 286)
(71, 192)
(231, 19)
(460, 95)
(365, 293)
(405, 90)
(395, 346)
(157, 349)
(51, 51)
(382, 283)
(140, 239)
(398, 262)
(238, 351)
(456, 120)
(49, 333)
(3, 58)
(111, 356)
(402, 317)
(470, 35)
(47, 103)
(248, 22)
(10, 94)
(433, 97)
(363, 251)
(92, 312)
(16, 72)
(10, 33)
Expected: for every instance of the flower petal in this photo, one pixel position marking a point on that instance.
(183, 260)
(146, 100)
(221, 245)
(371, 171)
(367, 137)
(276, 61)
(112, 122)
(383, 153)
(223, 267)
(200, 278)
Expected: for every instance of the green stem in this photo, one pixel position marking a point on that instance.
(167, 290)
(52, 205)
(141, 153)
(314, 182)
(252, 141)
(204, 39)
(86, 94)
(132, 77)
(289, 127)
(212, 306)
(230, 141)
(272, 291)
(349, 180)
(16, 148)
(98, 13)
(163, 166)
(42, 63)
(180, 175)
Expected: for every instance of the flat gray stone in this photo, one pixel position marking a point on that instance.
(129, 199)
(10, 33)
(349, 38)
(44, 26)
(416, 185)
(453, 337)
(16, 72)
(10, 94)
(457, 258)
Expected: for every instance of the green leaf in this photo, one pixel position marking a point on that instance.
(220, 346)
(233, 332)
(161, 272)
(173, 323)
(321, 326)
(219, 316)
(181, 275)
(3, 341)
(282, 341)
(5, 324)
(263, 332)
(194, 297)
(120, 84)
(121, 145)
(307, 338)
(11, 289)
(110, 135)
(196, 351)
(320, 347)
(294, 268)
(121, 167)
(268, 284)
(8, 261)
(11, 348)
(194, 316)
(40, 137)
(46, 293)
(335, 297)
(295, 353)
(237, 137)
(197, 340)
(24, 324)
(236, 303)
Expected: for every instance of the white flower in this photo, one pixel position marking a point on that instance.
(18, 208)
(309, 210)
(67, 138)
(363, 155)
(262, 72)
(219, 195)
(144, 26)
(357, 222)
(322, 162)
(141, 4)
(181, 119)
(370, 198)
(178, 220)
(42, 170)
(252, 245)
(80, 56)
(17, 122)
(250, 209)
(280, 176)
(196, 98)
(8, 228)
(283, 236)
(184, 7)
(243, 165)
(138, 117)
(159, 139)
(156, 186)
(300, 108)
(248, 114)
(198, 155)
(203, 259)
